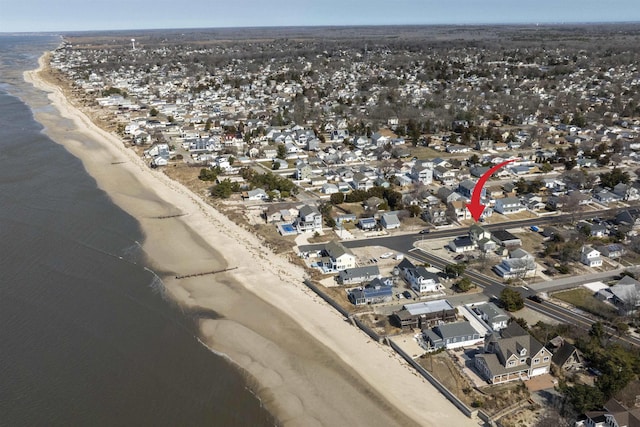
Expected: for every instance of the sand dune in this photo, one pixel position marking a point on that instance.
(307, 364)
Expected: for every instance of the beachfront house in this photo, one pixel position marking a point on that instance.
(419, 278)
(512, 354)
(309, 219)
(450, 336)
(336, 257)
(377, 291)
(355, 275)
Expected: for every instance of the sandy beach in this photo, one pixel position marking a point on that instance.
(307, 364)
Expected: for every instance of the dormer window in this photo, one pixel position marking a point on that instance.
(523, 352)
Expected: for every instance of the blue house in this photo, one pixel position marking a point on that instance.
(377, 291)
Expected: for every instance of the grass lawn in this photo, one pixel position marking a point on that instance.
(583, 299)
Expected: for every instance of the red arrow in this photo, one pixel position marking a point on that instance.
(475, 207)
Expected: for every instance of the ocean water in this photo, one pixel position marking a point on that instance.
(86, 337)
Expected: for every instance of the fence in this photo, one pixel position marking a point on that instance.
(371, 333)
(437, 384)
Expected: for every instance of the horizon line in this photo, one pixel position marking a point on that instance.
(467, 24)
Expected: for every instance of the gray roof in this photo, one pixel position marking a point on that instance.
(336, 249)
(419, 308)
(458, 329)
(492, 311)
(308, 210)
(365, 273)
(503, 236)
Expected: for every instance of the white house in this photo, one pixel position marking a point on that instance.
(257, 194)
(590, 256)
(390, 221)
(422, 174)
(337, 257)
(419, 278)
(519, 264)
(508, 205)
(309, 219)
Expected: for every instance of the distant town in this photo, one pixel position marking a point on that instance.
(357, 156)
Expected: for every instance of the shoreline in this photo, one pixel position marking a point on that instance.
(309, 366)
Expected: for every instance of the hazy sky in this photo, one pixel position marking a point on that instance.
(69, 15)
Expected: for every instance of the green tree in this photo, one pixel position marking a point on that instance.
(275, 166)
(282, 152)
(208, 174)
(414, 210)
(222, 190)
(511, 299)
(153, 112)
(616, 176)
(464, 285)
(546, 167)
(337, 198)
(454, 270)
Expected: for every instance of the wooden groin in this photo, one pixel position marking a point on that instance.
(206, 273)
(169, 216)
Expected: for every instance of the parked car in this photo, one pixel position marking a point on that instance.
(407, 294)
(425, 231)
(458, 257)
(536, 298)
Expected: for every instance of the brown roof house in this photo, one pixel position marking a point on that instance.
(512, 354)
(567, 357)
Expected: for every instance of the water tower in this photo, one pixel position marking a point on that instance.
(133, 44)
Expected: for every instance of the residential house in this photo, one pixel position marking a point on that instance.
(533, 202)
(614, 415)
(419, 278)
(356, 275)
(329, 188)
(361, 181)
(481, 237)
(451, 335)
(436, 215)
(309, 219)
(337, 257)
(424, 314)
(373, 293)
(462, 244)
(512, 354)
(256, 194)
(567, 357)
(465, 188)
(457, 149)
(626, 192)
(367, 223)
(506, 239)
(519, 264)
(629, 218)
(303, 172)
(508, 205)
(484, 144)
(390, 221)
(590, 257)
(423, 174)
(605, 197)
(593, 230)
(460, 210)
(444, 175)
(493, 316)
(625, 295)
(478, 170)
(612, 250)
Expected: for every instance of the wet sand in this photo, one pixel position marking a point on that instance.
(307, 364)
